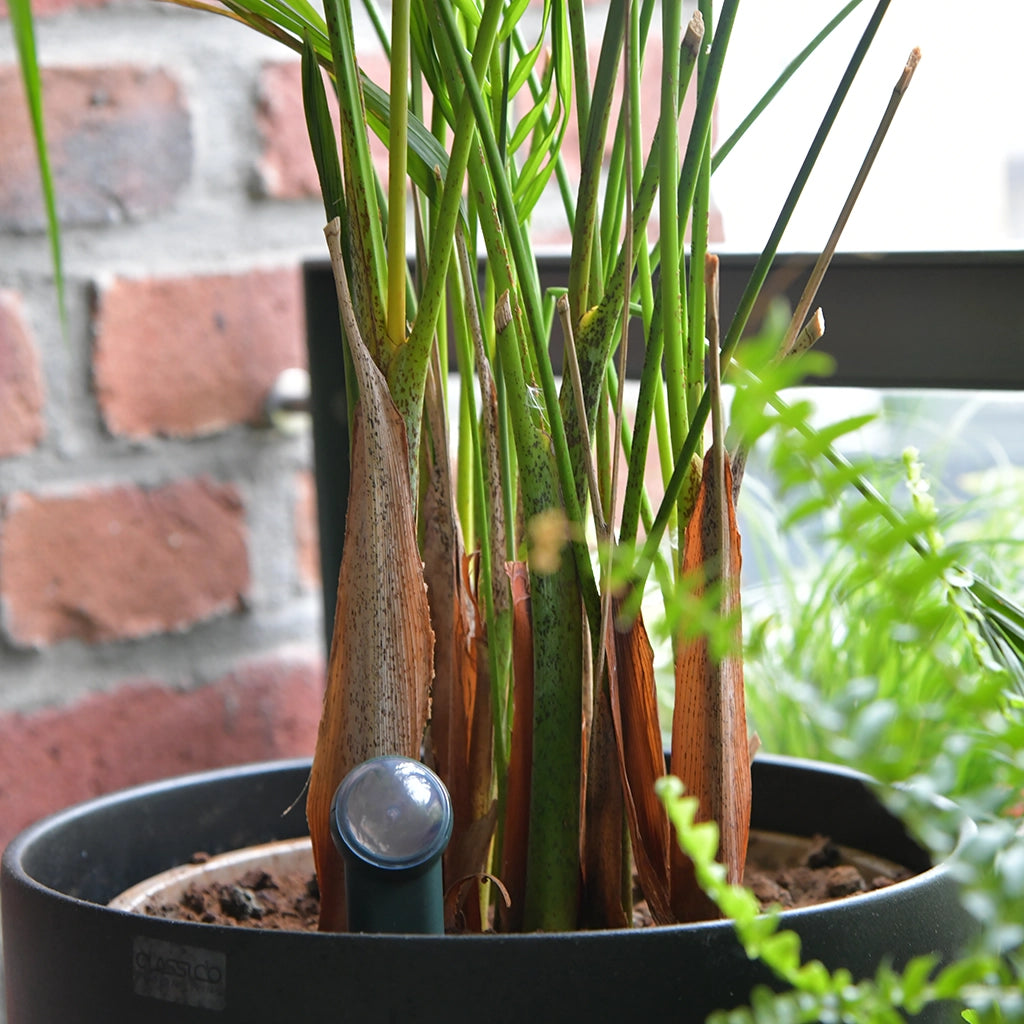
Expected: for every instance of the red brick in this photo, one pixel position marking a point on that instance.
(306, 531)
(21, 385)
(120, 145)
(147, 730)
(192, 355)
(285, 169)
(104, 564)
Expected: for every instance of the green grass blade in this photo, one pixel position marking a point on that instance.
(398, 145)
(366, 235)
(320, 126)
(585, 239)
(23, 28)
(671, 231)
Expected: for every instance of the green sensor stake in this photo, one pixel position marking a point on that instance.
(391, 819)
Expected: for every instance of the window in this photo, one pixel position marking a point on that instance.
(951, 173)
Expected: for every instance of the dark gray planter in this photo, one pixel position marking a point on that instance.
(69, 957)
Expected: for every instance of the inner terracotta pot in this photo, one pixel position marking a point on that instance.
(273, 885)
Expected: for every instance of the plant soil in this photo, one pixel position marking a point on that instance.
(808, 873)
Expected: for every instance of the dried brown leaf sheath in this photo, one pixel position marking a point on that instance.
(377, 697)
(460, 736)
(517, 815)
(638, 733)
(709, 729)
(605, 853)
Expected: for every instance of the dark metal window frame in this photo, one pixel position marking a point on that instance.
(927, 320)
(931, 320)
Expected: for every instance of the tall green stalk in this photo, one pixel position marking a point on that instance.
(408, 375)
(653, 395)
(673, 298)
(752, 291)
(397, 163)
(552, 870)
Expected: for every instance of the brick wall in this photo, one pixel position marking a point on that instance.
(159, 605)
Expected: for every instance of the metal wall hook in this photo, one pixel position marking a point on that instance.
(287, 405)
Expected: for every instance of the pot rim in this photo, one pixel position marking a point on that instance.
(15, 854)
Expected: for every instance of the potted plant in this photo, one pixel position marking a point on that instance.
(522, 670)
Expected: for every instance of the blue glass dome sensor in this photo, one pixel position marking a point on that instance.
(392, 813)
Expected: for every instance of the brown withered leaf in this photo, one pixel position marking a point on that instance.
(377, 696)
(458, 894)
(464, 914)
(451, 615)
(605, 856)
(517, 800)
(461, 695)
(634, 707)
(709, 729)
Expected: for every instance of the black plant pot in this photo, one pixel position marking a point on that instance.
(69, 957)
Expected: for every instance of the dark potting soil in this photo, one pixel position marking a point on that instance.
(816, 872)
(282, 900)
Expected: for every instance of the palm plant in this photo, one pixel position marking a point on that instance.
(487, 620)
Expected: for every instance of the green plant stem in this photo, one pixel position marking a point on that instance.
(493, 586)
(367, 256)
(536, 329)
(580, 65)
(373, 13)
(652, 394)
(699, 233)
(700, 132)
(627, 440)
(463, 312)
(552, 873)
(617, 195)
(760, 271)
(397, 163)
(672, 299)
(752, 291)
(409, 373)
(493, 589)
(585, 258)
